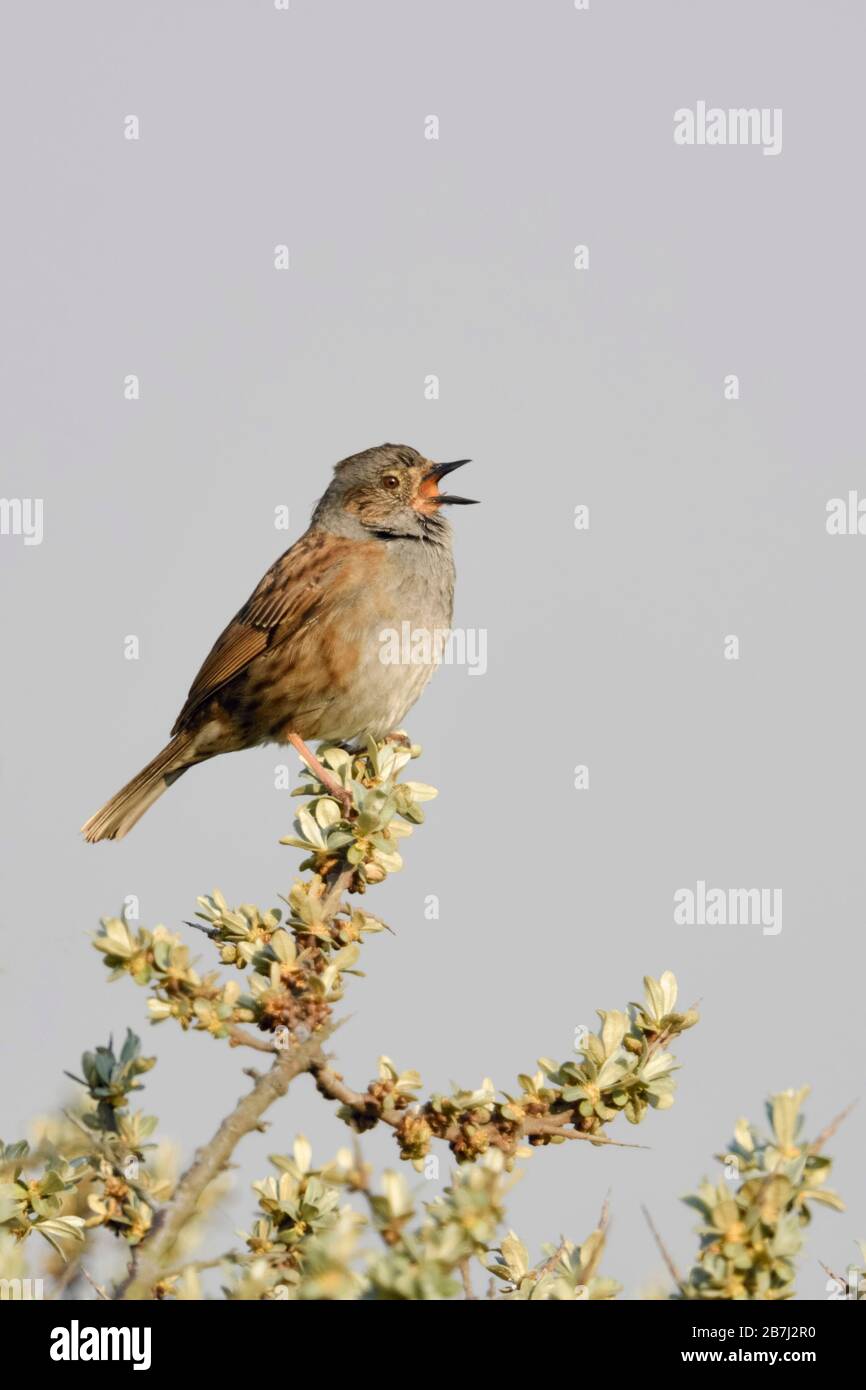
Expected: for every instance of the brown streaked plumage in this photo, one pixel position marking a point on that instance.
(301, 659)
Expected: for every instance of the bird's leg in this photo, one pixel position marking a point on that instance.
(327, 779)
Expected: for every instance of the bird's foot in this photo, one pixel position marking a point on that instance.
(341, 795)
(399, 738)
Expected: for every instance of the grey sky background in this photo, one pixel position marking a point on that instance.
(604, 387)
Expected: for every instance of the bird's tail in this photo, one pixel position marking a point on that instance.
(120, 814)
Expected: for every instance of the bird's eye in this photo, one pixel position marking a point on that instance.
(391, 480)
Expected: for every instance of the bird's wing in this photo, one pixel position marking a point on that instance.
(291, 595)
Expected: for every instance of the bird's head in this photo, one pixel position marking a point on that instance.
(390, 491)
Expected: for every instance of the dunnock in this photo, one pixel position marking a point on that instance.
(302, 658)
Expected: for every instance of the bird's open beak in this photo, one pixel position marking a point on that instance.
(429, 488)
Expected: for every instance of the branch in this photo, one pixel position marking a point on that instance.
(737, 1255)
(209, 1163)
(830, 1129)
(99, 1289)
(550, 1264)
(240, 1037)
(369, 1109)
(297, 969)
(150, 1255)
(466, 1278)
(663, 1251)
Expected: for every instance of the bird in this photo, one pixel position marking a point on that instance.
(302, 660)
